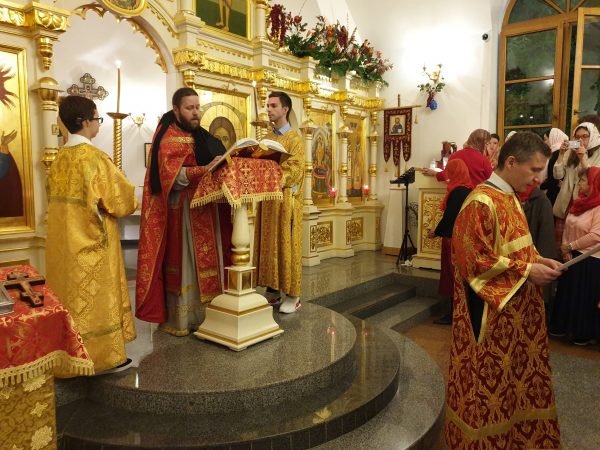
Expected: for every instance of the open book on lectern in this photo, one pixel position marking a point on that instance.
(251, 148)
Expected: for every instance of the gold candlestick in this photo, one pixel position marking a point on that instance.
(117, 118)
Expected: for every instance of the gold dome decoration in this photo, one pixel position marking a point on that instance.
(125, 8)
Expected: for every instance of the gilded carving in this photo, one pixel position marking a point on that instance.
(189, 77)
(34, 16)
(45, 50)
(185, 56)
(431, 215)
(378, 229)
(373, 169)
(321, 235)
(343, 169)
(11, 16)
(354, 230)
(50, 20)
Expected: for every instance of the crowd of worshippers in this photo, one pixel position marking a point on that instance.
(562, 209)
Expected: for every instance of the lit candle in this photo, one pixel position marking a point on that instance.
(366, 190)
(255, 100)
(118, 85)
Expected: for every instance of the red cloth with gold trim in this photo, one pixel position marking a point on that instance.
(35, 340)
(243, 181)
(499, 393)
(161, 236)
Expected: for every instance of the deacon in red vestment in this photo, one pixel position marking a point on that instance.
(499, 393)
(179, 266)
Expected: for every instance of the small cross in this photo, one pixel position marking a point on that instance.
(88, 90)
(23, 282)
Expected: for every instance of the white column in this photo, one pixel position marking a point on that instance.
(343, 133)
(373, 167)
(260, 19)
(308, 129)
(187, 7)
(373, 157)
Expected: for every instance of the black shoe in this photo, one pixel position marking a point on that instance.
(120, 368)
(446, 320)
(556, 334)
(582, 342)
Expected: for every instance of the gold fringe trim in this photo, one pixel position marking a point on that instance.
(234, 202)
(56, 359)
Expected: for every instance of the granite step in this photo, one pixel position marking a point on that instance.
(297, 423)
(408, 313)
(374, 301)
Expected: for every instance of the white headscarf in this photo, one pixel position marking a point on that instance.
(555, 138)
(594, 135)
(509, 135)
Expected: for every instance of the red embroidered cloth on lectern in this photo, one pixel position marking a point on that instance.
(242, 181)
(35, 340)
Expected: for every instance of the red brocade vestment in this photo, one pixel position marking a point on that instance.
(160, 246)
(499, 393)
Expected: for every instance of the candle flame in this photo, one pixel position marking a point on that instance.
(118, 63)
(254, 83)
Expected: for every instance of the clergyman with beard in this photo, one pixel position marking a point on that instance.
(182, 251)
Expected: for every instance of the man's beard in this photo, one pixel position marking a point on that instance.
(188, 125)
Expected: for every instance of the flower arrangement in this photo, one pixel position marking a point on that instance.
(433, 86)
(336, 50)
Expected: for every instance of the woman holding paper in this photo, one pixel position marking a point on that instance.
(575, 311)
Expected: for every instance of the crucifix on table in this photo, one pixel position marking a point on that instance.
(23, 282)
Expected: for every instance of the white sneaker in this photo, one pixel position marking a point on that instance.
(290, 305)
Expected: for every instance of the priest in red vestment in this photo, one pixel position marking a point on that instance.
(180, 249)
(499, 393)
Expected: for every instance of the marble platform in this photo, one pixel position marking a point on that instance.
(186, 393)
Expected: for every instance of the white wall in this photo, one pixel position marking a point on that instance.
(143, 83)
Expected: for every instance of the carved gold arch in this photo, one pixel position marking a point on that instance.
(135, 25)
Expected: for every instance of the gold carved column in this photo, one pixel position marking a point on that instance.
(373, 158)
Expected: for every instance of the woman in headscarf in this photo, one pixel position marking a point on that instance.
(575, 311)
(556, 139)
(459, 187)
(569, 162)
(479, 166)
(492, 149)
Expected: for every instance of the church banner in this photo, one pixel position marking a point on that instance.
(397, 131)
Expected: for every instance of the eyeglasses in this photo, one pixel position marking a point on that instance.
(99, 119)
(582, 136)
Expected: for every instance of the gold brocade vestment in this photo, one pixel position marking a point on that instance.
(278, 229)
(499, 393)
(84, 263)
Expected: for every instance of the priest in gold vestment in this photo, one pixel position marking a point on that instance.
(278, 229)
(499, 392)
(87, 193)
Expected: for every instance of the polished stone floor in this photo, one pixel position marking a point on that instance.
(576, 371)
(576, 376)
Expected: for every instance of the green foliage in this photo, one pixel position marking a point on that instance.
(335, 49)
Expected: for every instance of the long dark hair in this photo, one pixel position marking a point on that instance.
(206, 147)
